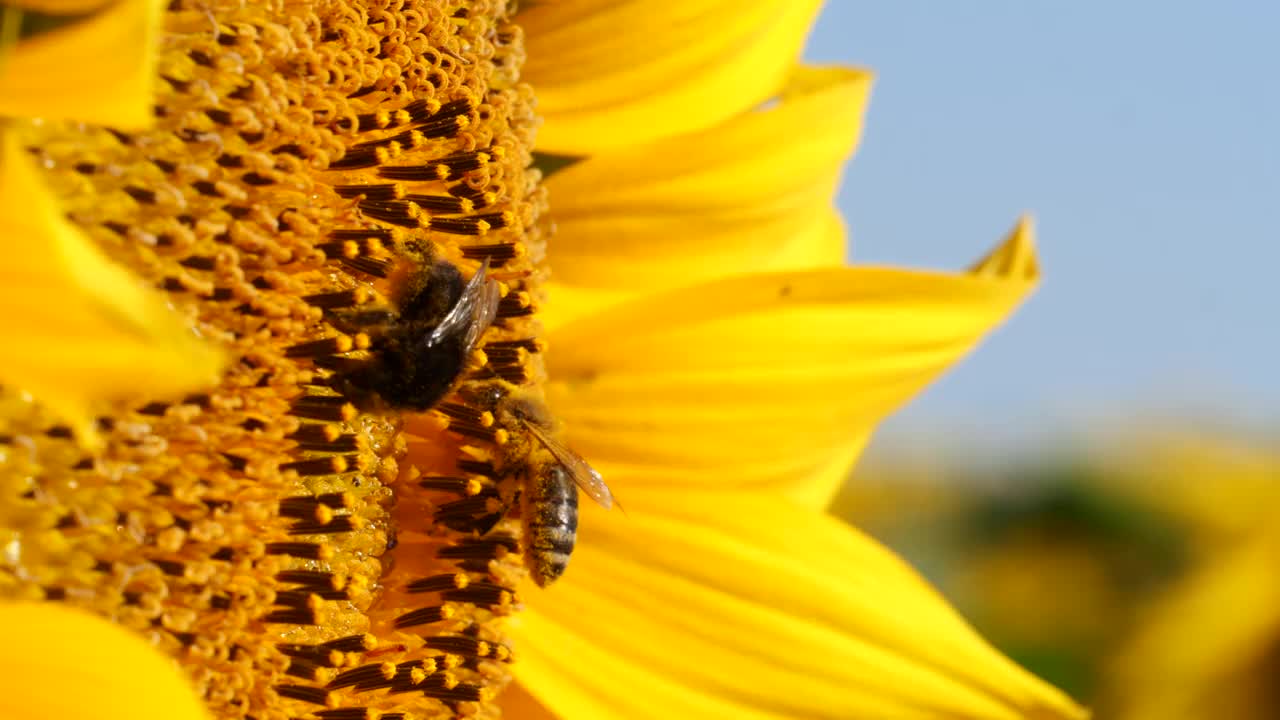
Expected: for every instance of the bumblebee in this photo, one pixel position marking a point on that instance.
(418, 350)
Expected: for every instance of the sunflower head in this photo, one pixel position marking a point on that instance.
(303, 161)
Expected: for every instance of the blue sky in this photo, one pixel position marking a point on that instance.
(1143, 136)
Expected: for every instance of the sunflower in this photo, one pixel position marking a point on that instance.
(1207, 644)
(303, 547)
(1211, 646)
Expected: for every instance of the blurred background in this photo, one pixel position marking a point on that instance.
(1095, 487)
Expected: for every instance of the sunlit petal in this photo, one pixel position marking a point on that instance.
(613, 74)
(711, 602)
(816, 240)
(101, 69)
(60, 662)
(740, 197)
(765, 379)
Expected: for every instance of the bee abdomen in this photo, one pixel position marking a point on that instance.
(551, 524)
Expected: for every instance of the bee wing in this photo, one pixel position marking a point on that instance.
(587, 478)
(486, 311)
(473, 313)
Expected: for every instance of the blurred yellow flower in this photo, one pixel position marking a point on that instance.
(1210, 645)
(301, 555)
(1220, 488)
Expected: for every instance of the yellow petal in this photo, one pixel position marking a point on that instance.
(721, 604)
(766, 379)
(1208, 648)
(516, 702)
(614, 74)
(814, 242)
(1014, 259)
(60, 662)
(59, 7)
(748, 195)
(80, 328)
(101, 69)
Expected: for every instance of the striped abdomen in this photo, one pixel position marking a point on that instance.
(551, 523)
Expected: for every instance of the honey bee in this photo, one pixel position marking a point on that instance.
(548, 474)
(419, 350)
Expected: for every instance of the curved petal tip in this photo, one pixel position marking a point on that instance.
(1015, 258)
